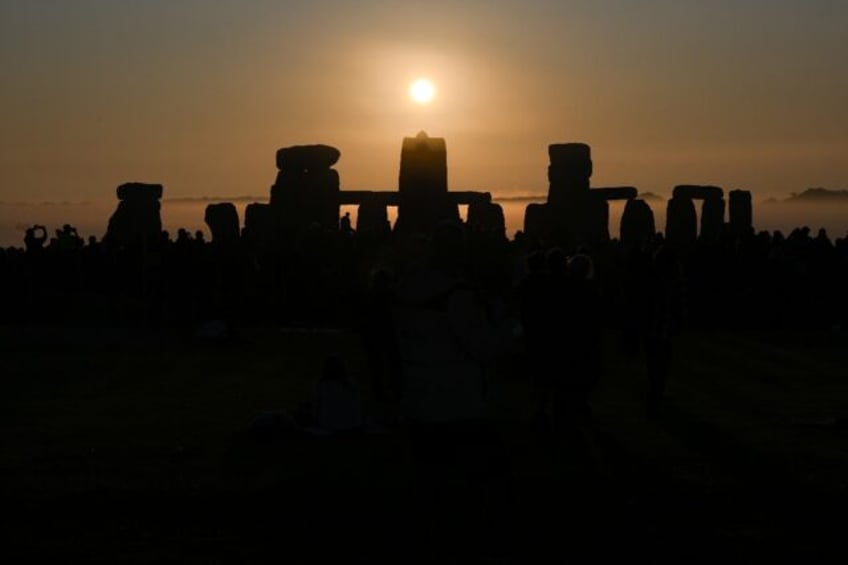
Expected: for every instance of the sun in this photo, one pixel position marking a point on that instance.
(422, 91)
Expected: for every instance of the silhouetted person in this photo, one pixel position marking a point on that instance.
(345, 226)
(380, 341)
(666, 312)
(445, 339)
(35, 238)
(338, 405)
(536, 293)
(581, 347)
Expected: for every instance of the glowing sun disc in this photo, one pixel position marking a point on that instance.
(422, 91)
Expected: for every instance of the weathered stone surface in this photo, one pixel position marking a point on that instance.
(134, 221)
(423, 165)
(616, 192)
(307, 157)
(569, 153)
(139, 190)
(537, 221)
(423, 185)
(681, 224)
(569, 172)
(712, 218)
(593, 226)
(223, 221)
(260, 223)
(137, 218)
(637, 223)
(486, 217)
(697, 192)
(373, 218)
(327, 179)
(741, 212)
(579, 172)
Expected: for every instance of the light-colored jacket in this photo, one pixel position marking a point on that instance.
(446, 343)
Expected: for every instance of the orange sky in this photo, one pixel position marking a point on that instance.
(198, 95)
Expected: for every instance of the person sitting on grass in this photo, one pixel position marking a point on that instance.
(337, 402)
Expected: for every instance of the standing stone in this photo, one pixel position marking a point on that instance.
(637, 224)
(594, 223)
(681, 223)
(741, 213)
(537, 221)
(569, 173)
(306, 192)
(487, 217)
(137, 218)
(423, 185)
(223, 222)
(260, 224)
(712, 218)
(372, 217)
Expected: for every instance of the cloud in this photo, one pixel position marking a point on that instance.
(46, 203)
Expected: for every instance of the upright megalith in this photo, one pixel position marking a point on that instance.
(712, 207)
(260, 225)
(568, 173)
(223, 221)
(574, 215)
(637, 224)
(485, 216)
(372, 218)
(423, 185)
(137, 219)
(537, 221)
(741, 213)
(712, 219)
(681, 222)
(306, 192)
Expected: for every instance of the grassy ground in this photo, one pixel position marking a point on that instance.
(121, 446)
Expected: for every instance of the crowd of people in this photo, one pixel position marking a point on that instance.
(438, 308)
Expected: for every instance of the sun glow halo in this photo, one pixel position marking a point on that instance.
(422, 91)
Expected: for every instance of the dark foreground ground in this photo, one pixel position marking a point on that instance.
(124, 446)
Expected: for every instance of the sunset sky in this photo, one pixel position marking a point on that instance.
(198, 94)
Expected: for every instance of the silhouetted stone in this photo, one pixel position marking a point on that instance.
(372, 217)
(317, 180)
(741, 212)
(423, 185)
(223, 222)
(593, 225)
(537, 221)
(681, 224)
(568, 174)
(569, 153)
(487, 217)
(139, 190)
(637, 223)
(303, 196)
(696, 192)
(307, 158)
(616, 193)
(712, 218)
(137, 218)
(260, 223)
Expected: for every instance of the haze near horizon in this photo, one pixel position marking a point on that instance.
(198, 96)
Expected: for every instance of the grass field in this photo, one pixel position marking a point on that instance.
(122, 445)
